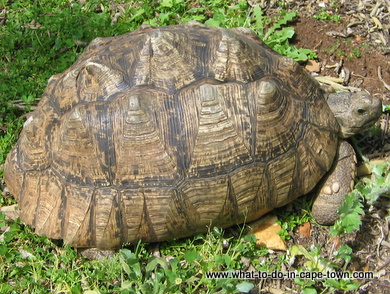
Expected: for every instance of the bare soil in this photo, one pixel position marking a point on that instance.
(355, 54)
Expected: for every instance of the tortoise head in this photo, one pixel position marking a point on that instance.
(354, 112)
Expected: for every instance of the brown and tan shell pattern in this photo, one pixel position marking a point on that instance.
(162, 132)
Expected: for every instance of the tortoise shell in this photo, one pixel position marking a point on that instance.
(162, 132)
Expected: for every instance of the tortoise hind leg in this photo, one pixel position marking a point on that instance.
(336, 184)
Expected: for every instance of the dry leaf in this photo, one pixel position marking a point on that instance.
(336, 242)
(265, 231)
(305, 229)
(313, 66)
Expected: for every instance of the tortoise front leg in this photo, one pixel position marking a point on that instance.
(335, 185)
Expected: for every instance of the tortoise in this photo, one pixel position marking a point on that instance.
(159, 133)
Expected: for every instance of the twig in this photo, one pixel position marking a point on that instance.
(335, 83)
(318, 45)
(387, 86)
(383, 265)
(379, 243)
(20, 106)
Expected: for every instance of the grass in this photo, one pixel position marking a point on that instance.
(42, 38)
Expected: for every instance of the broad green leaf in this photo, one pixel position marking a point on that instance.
(152, 264)
(212, 22)
(190, 256)
(309, 291)
(244, 287)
